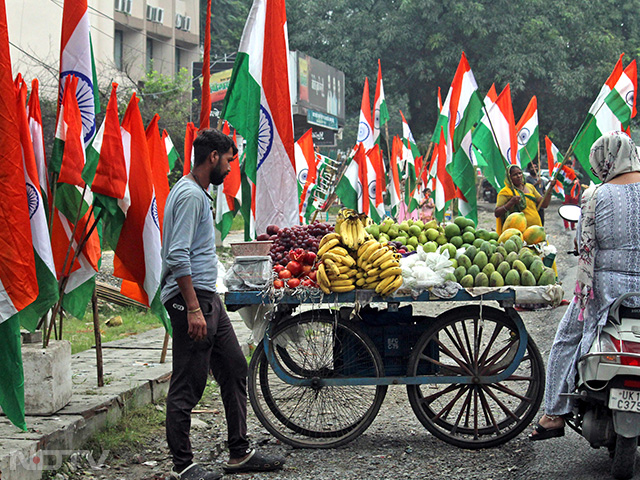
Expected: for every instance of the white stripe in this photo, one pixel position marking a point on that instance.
(7, 308)
(37, 139)
(152, 258)
(125, 202)
(252, 41)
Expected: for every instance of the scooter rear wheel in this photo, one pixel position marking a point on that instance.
(624, 457)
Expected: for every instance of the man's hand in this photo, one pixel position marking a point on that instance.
(197, 325)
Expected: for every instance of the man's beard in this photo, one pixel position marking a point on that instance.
(216, 177)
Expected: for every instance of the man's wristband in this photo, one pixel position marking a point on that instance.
(194, 311)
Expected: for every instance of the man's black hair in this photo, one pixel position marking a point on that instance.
(211, 140)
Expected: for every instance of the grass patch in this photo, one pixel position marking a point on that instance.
(131, 432)
(238, 222)
(80, 332)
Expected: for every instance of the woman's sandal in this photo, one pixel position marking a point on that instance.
(255, 462)
(543, 433)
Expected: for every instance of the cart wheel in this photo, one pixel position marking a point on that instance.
(478, 415)
(317, 346)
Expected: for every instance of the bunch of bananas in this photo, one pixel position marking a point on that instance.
(351, 226)
(337, 270)
(378, 268)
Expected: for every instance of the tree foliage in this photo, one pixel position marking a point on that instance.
(560, 51)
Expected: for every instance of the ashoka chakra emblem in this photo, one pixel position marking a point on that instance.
(523, 136)
(154, 212)
(265, 135)
(33, 199)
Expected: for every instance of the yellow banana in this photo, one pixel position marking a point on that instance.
(340, 283)
(323, 280)
(342, 276)
(339, 259)
(372, 279)
(361, 282)
(369, 251)
(328, 245)
(360, 274)
(330, 264)
(373, 272)
(391, 272)
(343, 289)
(347, 234)
(377, 254)
(338, 251)
(384, 284)
(328, 237)
(324, 288)
(365, 246)
(372, 286)
(388, 255)
(392, 263)
(393, 286)
(344, 269)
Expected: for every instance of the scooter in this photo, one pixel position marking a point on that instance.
(607, 396)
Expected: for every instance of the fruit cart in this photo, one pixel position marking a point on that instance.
(474, 377)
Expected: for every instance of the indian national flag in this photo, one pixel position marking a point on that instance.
(76, 58)
(445, 189)
(395, 174)
(349, 189)
(555, 159)
(613, 109)
(137, 258)
(464, 109)
(365, 125)
(380, 110)
(45, 268)
(72, 197)
(159, 166)
(258, 105)
(189, 136)
(18, 280)
(527, 131)
(229, 193)
(409, 153)
(495, 138)
(34, 114)
(172, 153)
(305, 170)
(375, 186)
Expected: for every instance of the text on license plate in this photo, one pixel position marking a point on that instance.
(626, 400)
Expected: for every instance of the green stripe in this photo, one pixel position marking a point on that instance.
(56, 155)
(75, 302)
(47, 296)
(242, 110)
(158, 309)
(619, 107)
(530, 150)
(494, 171)
(224, 226)
(583, 142)
(91, 165)
(443, 121)
(410, 184)
(345, 191)
(463, 174)
(11, 374)
(471, 114)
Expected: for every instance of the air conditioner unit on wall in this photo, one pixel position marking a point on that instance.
(160, 15)
(179, 21)
(187, 24)
(151, 13)
(127, 6)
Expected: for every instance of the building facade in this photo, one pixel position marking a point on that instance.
(129, 37)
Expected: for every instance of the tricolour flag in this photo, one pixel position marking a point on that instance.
(613, 109)
(395, 174)
(376, 184)
(18, 281)
(172, 153)
(305, 170)
(258, 105)
(349, 189)
(365, 124)
(189, 136)
(159, 166)
(527, 131)
(495, 138)
(229, 193)
(34, 114)
(555, 160)
(445, 189)
(137, 259)
(45, 268)
(409, 153)
(380, 110)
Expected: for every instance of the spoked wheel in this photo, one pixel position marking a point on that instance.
(476, 415)
(316, 346)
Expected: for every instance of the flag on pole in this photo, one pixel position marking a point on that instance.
(205, 106)
(443, 120)
(395, 174)
(73, 201)
(229, 196)
(409, 153)
(34, 115)
(18, 281)
(365, 124)
(464, 110)
(305, 170)
(613, 109)
(43, 256)
(555, 160)
(137, 259)
(376, 184)
(159, 166)
(190, 135)
(258, 105)
(349, 189)
(380, 111)
(445, 189)
(527, 131)
(76, 58)
(172, 153)
(495, 138)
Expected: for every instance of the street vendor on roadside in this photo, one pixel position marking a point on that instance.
(519, 196)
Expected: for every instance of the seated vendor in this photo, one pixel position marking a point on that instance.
(519, 196)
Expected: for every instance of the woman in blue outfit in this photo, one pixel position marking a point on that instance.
(609, 265)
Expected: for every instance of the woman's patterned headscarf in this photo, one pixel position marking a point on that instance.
(522, 204)
(611, 155)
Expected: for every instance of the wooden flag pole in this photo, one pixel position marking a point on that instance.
(98, 338)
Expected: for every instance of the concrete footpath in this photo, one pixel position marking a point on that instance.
(133, 377)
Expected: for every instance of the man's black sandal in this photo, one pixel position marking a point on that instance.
(255, 462)
(543, 433)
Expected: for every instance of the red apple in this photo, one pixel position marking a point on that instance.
(313, 275)
(307, 282)
(306, 270)
(273, 230)
(263, 237)
(293, 282)
(309, 258)
(278, 283)
(278, 268)
(295, 268)
(284, 274)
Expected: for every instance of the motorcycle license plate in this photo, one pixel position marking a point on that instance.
(625, 400)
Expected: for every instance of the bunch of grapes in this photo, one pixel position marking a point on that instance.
(298, 236)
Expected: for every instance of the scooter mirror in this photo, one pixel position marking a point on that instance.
(570, 213)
